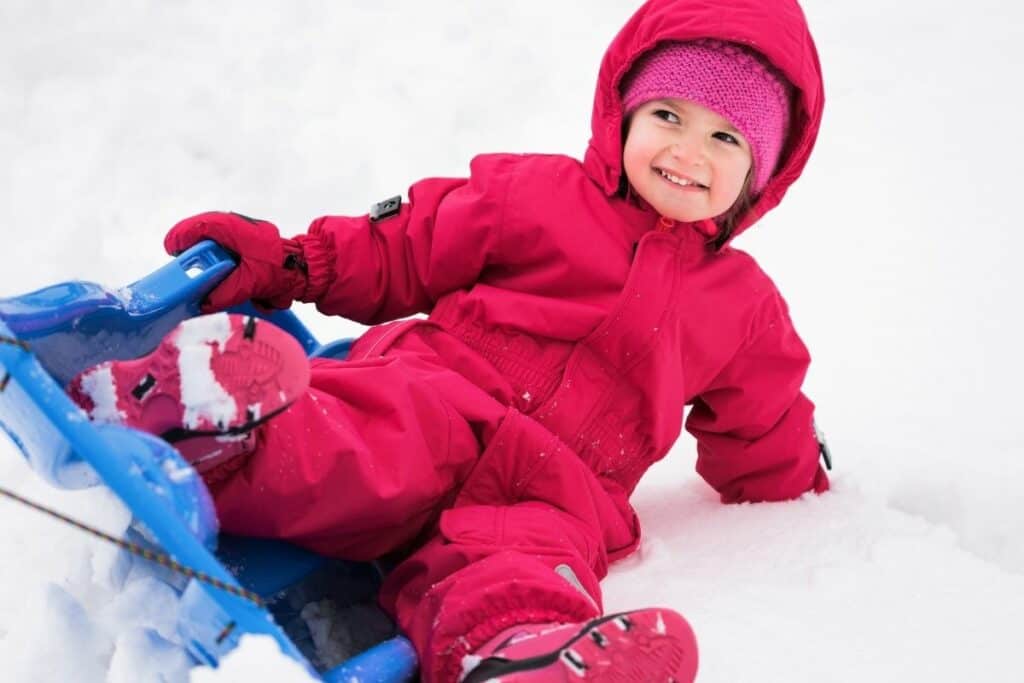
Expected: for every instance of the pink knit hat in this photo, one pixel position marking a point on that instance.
(729, 79)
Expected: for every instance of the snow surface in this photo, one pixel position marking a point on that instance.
(206, 401)
(897, 251)
(101, 388)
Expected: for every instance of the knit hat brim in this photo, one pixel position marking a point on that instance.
(729, 79)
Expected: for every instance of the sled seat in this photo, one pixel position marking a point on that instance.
(49, 336)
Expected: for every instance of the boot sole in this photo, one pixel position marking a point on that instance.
(213, 375)
(665, 654)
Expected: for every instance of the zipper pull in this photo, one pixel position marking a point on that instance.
(665, 224)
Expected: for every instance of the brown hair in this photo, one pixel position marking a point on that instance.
(727, 221)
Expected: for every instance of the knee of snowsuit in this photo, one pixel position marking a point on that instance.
(526, 541)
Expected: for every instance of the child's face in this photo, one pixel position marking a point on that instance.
(685, 160)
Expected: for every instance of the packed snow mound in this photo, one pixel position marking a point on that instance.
(257, 658)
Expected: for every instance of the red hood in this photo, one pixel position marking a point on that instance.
(775, 28)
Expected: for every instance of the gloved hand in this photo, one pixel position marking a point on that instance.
(271, 271)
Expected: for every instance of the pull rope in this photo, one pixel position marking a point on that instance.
(14, 342)
(163, 559)
(10, 341)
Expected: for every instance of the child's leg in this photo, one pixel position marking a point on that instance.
(526, 543)
(366, 455)
(491, 568)
(360, 464)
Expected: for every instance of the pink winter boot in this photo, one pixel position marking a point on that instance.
(649, 646)
(205, 387)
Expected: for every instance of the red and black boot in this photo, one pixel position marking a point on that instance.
(206, 387)
(644, 646)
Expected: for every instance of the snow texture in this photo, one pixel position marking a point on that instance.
(99, 385)
(897, 252)
(206, 402)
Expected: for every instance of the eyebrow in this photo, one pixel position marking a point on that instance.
(727, 127)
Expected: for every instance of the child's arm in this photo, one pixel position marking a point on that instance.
(439, 241)
(369, 269)
(753, 425)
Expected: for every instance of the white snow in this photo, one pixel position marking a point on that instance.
(99, 385)
(898, 253)
(206, 402)
(469, 662)
(256, 659)
(177, 474)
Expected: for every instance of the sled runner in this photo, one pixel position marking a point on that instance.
(229, 586)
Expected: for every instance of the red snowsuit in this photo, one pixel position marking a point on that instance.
(503, 435)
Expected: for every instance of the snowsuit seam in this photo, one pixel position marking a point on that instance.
(504, 212)
(448, 414)
(749, 343)
(539, 465)
(591, 421)
(390, 336)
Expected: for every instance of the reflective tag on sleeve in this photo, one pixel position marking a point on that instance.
(386, 209)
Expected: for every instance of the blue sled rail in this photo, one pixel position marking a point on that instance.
(49, 336)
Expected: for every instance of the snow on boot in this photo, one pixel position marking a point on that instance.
(644, 646)
(206, 386)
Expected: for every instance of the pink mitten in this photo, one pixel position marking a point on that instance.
(271, 271)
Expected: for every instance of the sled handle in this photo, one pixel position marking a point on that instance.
(196, 271)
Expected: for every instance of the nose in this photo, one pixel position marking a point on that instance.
(689, 148)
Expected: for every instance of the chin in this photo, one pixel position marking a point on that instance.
(683, 216)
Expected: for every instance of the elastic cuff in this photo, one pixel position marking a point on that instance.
(449, 663)
(318, 255)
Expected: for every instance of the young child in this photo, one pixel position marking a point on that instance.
(575, 309)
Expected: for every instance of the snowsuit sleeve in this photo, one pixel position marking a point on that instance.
(753, 425)
(440, 241)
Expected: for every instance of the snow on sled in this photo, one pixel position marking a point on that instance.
(232, 585)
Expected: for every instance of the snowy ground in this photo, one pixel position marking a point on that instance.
(897, 251)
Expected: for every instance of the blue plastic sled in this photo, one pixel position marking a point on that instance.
(49, 336)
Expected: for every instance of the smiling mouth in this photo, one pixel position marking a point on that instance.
(681, 182)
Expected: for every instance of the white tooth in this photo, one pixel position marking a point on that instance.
(677, 181)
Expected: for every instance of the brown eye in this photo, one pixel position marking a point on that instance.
(725, 137)
(666, 115)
